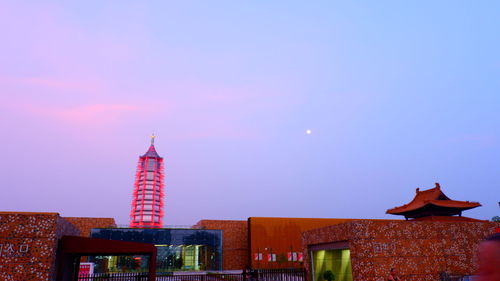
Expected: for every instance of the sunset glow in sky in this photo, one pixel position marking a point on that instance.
(397, 95)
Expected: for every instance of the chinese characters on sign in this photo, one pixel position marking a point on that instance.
(382, 247)
(12, 250)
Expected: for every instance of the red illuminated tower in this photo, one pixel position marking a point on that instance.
(147, 204)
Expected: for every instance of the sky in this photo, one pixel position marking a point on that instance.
(398, 95)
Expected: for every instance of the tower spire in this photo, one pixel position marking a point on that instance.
(147, 202)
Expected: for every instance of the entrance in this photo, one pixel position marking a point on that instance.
(72, 248)
(331, 262)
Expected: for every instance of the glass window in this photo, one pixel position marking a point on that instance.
(151, 164)
(178, 249)
(332, 262)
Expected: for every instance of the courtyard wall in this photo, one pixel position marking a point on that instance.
(419, 250)
(28, 245)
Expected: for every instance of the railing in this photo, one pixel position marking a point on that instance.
(251, 275)
(130, 276)
(451, 277)
(200, 277)
(295, 274)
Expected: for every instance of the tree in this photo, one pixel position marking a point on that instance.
(495, 219)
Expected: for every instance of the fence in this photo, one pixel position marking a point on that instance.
(132, 276)
(296, 274)
(444, 276)
(251, 275)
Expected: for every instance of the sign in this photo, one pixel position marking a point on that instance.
(13, 250)
(86, 269)
(292, 256)
(271, 257)
(383, 248)
(300, 256)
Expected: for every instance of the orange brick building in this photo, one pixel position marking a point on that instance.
(29, 242)
(85, 225)
(234, 241)
(419, 250)
(276, 242)
(435, 240)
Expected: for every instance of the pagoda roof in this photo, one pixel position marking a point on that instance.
(431, 202)
(151, 153)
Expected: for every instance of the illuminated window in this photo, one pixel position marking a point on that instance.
(151, 164)
(336, 262)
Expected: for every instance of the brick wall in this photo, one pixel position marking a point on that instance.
(85, 225)
(234, 241)
(419, 250)
(28, 245)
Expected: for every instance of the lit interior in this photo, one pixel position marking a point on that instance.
(337, 261)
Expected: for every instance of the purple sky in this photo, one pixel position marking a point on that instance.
(398, 95)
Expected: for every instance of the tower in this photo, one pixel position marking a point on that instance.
(147, 202)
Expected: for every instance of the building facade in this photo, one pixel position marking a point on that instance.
(419, 250)
(234, 241)
(177, 249)
(147, 202)
(433, 242)
(29, 242)
(276, 242)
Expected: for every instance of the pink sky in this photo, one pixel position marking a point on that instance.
(397, 97)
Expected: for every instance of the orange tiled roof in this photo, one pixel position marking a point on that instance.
(432, 197)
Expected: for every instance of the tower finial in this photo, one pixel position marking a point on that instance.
(153, 138)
